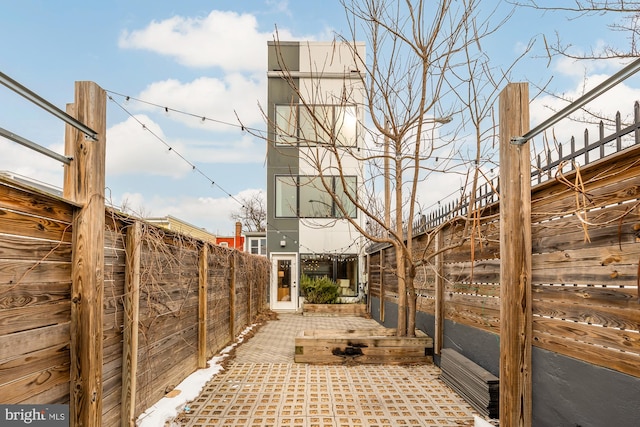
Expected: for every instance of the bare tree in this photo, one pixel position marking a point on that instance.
(420, 53)
(628, 19)
(252, 214)
(424, 54)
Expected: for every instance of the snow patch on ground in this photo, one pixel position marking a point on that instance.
(168, 408)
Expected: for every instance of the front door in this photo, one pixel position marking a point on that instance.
(284, 282)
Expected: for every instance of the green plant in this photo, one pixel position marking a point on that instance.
(319, 290)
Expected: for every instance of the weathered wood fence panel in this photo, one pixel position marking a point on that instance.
(585, 275)
(115, 260)
(585, 257)
(168, 322)
(35, 303)
(243, 297)
(218, 299)
(35, 296)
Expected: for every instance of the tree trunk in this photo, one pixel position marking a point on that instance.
(401, 271)
(411, 302)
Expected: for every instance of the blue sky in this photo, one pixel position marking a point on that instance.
(207, 58)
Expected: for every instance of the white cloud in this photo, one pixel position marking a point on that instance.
(226, 40)
(219, 99)
(620, 98)
(243, 149)
(132, 149)
(22, 161)
(211, 213)
(281, 6)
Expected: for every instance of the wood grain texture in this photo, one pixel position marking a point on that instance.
(87, 182)
(584, 276)
(131, 320)
(36, 307)
(439, 294)
(515, 255)
(203, 285)
(16, 197)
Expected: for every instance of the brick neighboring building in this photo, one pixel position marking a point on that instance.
(235, 242)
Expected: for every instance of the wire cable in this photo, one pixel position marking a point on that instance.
(437, 159)
(201, 117)
(171, 149)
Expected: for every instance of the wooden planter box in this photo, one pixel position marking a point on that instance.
(334, 309)
(365, 346)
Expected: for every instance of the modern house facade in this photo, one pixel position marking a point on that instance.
(315, 99)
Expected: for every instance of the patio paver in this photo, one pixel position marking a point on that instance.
(262, 386)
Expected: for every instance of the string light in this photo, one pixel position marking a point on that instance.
(166, 109)
(243, 128)
(170, 149)
(260, 132)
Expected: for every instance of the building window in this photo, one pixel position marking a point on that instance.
(258, 245)
(315, 200)
(342, 269)
(286, 197)
(286, 119)
(310, 196)
(316, 124)
(346, 125)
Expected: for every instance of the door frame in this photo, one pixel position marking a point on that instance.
(291, 305)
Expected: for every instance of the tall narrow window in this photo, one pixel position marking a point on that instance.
(286, 196)
(342, 194)
(346, 126)
(286, 124)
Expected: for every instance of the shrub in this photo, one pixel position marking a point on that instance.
(319, 290)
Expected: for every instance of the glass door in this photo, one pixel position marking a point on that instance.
(284, 289)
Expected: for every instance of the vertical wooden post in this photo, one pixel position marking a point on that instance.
(232, 296)
(382, 285)
(203, 282)
(515, 259)
(439, 295)
(131, 317)
(250, 285)
(84, 181)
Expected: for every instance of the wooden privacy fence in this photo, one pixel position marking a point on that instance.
(103, 311)
(152, 283)
(585, 235)
(186, 298)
